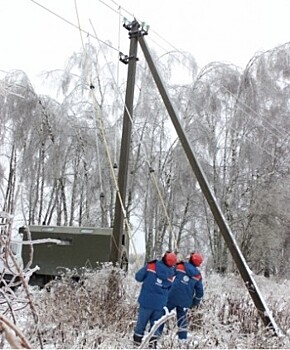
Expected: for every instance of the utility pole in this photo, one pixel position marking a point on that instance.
(118, 228)
(237, 255)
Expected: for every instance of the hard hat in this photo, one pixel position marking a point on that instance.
(195, 259)
(170, 259)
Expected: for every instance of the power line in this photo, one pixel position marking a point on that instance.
(139, 20)
(238, 100)
(153, 177)
(257, 114)
(172, 46)
(249, 139)
(74, 25)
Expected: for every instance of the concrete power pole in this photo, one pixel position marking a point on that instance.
(118, 228)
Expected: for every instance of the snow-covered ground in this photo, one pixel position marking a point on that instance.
(100, 312)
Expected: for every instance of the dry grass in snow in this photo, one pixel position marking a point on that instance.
(100, 311)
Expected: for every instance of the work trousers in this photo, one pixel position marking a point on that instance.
(181, 315)
(146, 316)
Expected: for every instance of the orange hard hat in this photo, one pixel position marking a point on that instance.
(170, 259)
(195, 259)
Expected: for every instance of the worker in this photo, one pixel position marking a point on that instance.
(156, 277)
(186, 292)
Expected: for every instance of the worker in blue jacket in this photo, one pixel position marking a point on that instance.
(157, 277)
(186, 292)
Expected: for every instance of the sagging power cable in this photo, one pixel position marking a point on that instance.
(105, 43)
(238, 100)
(151, 173)
(74, 25)
(102, 129)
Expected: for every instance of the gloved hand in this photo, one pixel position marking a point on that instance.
(195, 302)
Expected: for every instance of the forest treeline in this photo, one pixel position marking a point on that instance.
(59, 158)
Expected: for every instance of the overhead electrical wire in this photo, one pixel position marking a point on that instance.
(94, 100)
(249, 139)
(263, 119)
(138, 19)
(141, 144)
(111, 8)
(112, 47)
(243, 106)
(152, 175)
(102, 129)
(256, 113)
(182, 52)
(72, 24)
(282, 131)
(118, 50)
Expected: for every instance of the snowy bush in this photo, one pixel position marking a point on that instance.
(100, 310)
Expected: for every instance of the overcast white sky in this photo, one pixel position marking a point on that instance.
(34, 40)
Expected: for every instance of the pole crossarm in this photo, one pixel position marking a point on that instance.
(225, 230)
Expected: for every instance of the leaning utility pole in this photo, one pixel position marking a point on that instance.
(234, 249)
(137, 35)
(118, 228)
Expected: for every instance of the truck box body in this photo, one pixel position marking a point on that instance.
(80, 247)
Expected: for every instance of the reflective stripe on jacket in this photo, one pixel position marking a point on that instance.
(157, 279)
(187, 288)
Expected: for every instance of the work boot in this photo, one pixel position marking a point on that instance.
(137, 340)
(153, 343)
